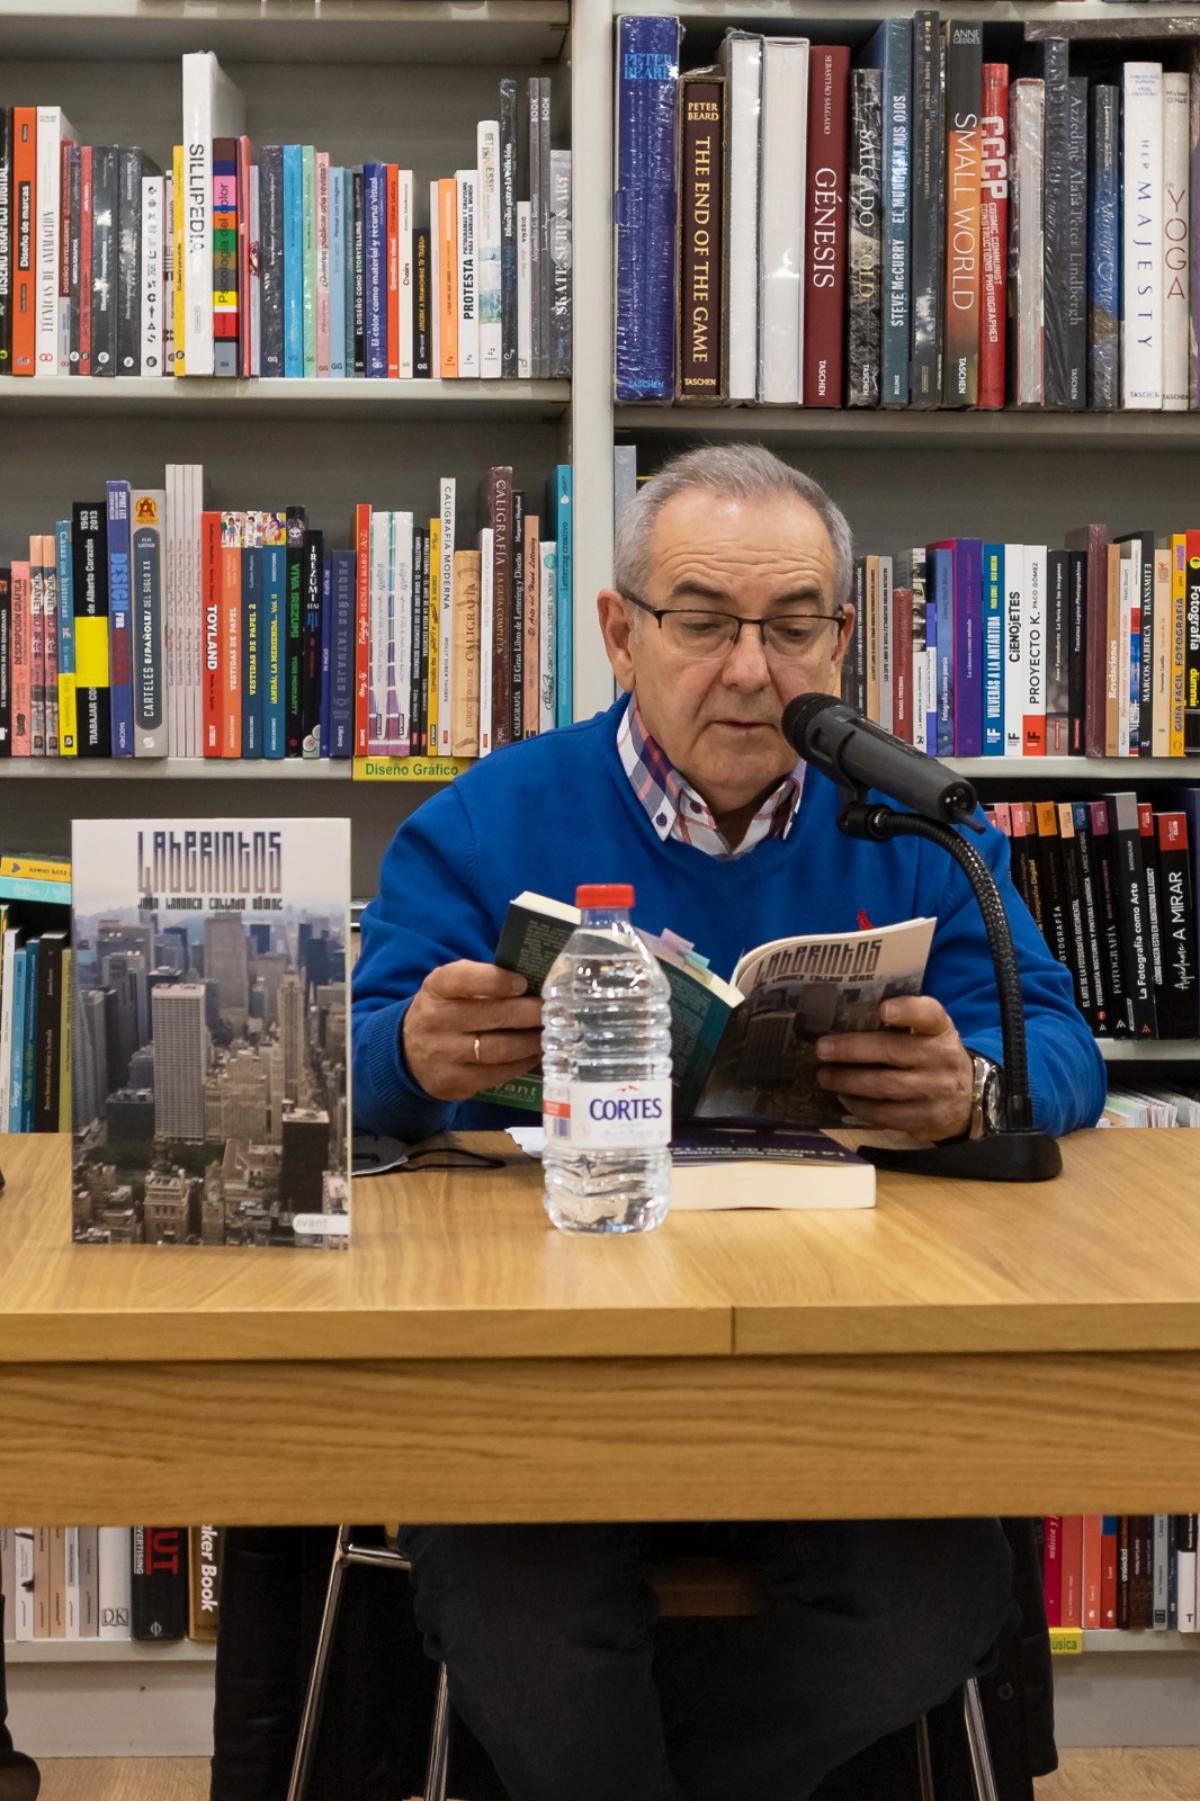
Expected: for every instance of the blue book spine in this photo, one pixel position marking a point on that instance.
(1135, 687)
(29, 1047)
(68, 732)
(940, 575)
(1104, 260)
(375, 267)
(931, 662)
(890, 51)
(16, 1089)
(644, 207)
(293, 260)
(275, 646)
(564, 674)
(993, 650)
(326, 657)
(252, 650)
(120, 622)
(337, 272)
(341, 675)
(968, 648)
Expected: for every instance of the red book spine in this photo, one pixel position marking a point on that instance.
(393, 271)
(1108, 1571)
(24, 238)
(210, 591)
(993, 232)
(825, 233)
(902, 664)
(1052, 1569)
(84, 365)
(1072, 1569)
(362, 629)
(1093, 1569)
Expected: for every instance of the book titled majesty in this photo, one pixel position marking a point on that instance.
(210, 1031)
(746, 1047)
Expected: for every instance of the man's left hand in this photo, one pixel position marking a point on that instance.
(915, 1077)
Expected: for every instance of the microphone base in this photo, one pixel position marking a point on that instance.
(1010, 1156)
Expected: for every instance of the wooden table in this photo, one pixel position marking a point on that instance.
(961, 1349)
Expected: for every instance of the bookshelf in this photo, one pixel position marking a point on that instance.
(403, 78)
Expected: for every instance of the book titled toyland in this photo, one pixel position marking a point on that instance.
(210, 1032)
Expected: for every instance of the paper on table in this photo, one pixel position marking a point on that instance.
(528, 1138)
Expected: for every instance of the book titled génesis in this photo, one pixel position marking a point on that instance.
(210, 1031)
(747, 1047)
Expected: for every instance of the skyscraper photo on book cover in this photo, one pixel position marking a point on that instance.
(210, 1031)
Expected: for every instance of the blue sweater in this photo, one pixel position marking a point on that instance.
(558, 810)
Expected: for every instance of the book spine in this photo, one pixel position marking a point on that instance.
(114, 1578)
(468, 273)
(129, 240)
(1091, 903)
(547, 635)
(293, 260)
(178, 365)
(50, 641)
(1033, 654)
(964, 90)
(204, 1582)
(825, 259)
(253, 624)
(701, 183)
(1143, 692)
(120, 641)
(275, 638)
(1057, 642)
(151, 360)
(68, 201)
(337, 273)
(902, 663)
(489, 279)
(214, 675)
(524, 294)
(741, 61)
(508, 227)
(1014, 634)
(326, 677)
(362, 629)
(1149, 847)
(422, 304)
(375, 270)
(1056, 191)
(1104, 310)
(1191, 649)
(74, 266)
(308, 256)
(447, 277)
(432, 646)
(564, 678)
(447, 496)
(149, 633)
(500, 491)
(104, 251)
(993, 232)
(543, 224)
(226, 299)
(310, 683)
(928, 190)
(46, 1049)
(517, 624)
(560, 263)
(1072, 908)
(270, 177)
(1026, 296)
(464, 735)
(1177, 259)
(893, 48)
(968, 648)
(22, 660)
(532, 586)
(322, 280)
(1075, 351)
(1131, 896)
(644, 207)
(89, 539)
(864, 323)
(24, 233)
(51, 129)
(380, 635)
(1177, 1011)
(231, 630)
(993, 650)
(6, 239)
(1142, 320)
(158, 1588)
(392, 270)
(6, 713)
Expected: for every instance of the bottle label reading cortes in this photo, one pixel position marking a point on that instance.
(603, 1116)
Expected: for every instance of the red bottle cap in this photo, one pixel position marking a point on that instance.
(604, 894)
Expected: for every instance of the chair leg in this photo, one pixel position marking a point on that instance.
(924, 1761)
(438, 1768)
(982, 1774)
(306, 1741)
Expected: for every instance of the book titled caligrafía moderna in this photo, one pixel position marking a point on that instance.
(210, 1031)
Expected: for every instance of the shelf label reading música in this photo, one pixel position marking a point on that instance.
(1066, 1641)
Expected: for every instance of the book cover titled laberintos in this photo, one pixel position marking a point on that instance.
(210, 1029)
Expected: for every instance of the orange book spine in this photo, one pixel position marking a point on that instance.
(1093, 1561)
(393, 271)
(24, 240)
(362, 629)
(210, 588)
(1072, 1569)
(530, 694)
(448, 274)
(231, 634)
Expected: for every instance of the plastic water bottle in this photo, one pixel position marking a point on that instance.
(606, 1074)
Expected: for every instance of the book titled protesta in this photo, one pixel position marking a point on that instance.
(210, 1032)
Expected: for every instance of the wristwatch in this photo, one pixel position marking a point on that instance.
(987, 1096)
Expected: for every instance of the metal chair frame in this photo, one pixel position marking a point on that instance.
(389, 1557)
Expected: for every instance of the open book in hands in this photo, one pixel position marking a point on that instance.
(746, 1047)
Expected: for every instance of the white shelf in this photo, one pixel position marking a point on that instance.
(96, 1650)
(1150, 1050)
(1166, 18)
(178, 769)
(203, 397)
(311, 31)
(1137, 1644)
(1117, 770)
(915, 428)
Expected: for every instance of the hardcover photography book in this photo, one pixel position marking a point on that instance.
(210, 1032)
(744, 1048)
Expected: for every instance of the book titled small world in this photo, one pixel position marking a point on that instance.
(210, 1032)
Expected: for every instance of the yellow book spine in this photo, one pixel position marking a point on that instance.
(1178, 628)
(434, 604)
(464, 709)
(447, 225)
(177, 190)
(36, 869)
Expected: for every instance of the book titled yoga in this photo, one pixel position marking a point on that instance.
(210, 1041)
(746, 1047)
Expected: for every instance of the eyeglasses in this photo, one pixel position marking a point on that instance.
(699, 634)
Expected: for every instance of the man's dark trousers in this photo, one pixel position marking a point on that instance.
(555, 1664)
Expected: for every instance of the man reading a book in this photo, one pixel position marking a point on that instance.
(732, 592)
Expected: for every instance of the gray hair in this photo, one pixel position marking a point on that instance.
(737, 472)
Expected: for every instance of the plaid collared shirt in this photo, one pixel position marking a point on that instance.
(675, 809)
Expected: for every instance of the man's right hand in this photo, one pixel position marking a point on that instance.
(469, 1027)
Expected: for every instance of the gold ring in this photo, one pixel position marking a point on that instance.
(477, 1050)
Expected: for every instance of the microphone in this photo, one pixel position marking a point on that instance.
(837, 740)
